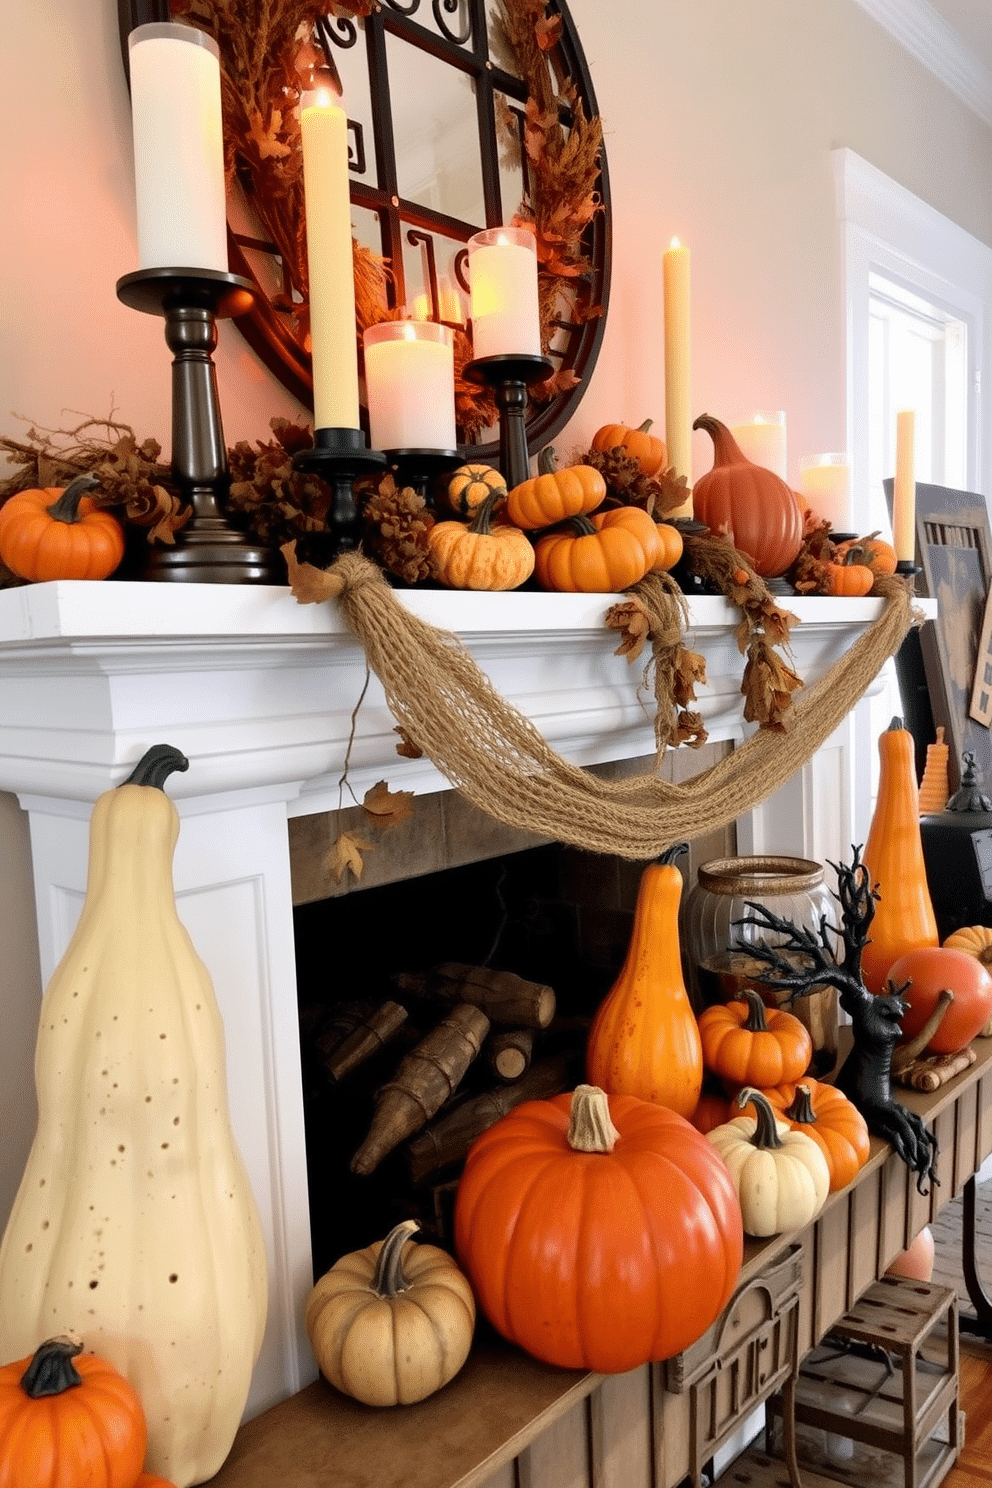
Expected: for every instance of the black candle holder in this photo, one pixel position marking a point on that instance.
(208, 549)
(510, 377)
(907, 569)
(420, 468)
(338, 456)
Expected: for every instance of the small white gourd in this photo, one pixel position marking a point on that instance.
(134, 1222)
(780, 1174)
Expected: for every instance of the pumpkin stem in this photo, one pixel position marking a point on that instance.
(643, 428)
(51, 1371)
(66, 507)
(591, 1127)
(756, 1021)
(766, 1132)
(482, 520)
(389, 1276)
(547, 460)
(156, 765)
(726, 450)
(672, 853)
(801, 1109)
(895, 725)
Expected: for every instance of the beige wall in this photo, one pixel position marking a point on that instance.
(720, 116)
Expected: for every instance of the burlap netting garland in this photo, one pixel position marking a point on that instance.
(500, 761)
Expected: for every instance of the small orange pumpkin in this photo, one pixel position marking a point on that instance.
(836, 1125)
(671, 545)
(872, 551)
(650, 452)
(483, 555)
(751, 1045)
(554, 495)
(59, 534)
(69, 1420)
(849, 579)
(598, 555)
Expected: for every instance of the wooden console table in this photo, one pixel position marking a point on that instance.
(508, 1421)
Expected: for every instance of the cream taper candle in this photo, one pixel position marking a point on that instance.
(678, 363)
(330, 261)
(904, 487)
(178, 147)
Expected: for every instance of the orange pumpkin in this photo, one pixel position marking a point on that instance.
(749, 1044)
(598, 1232)
(752, 505)
(600, 554)
(68, 1420)
(836, 1125)
(872, 551)
(59, 534)
(482, 555)
(916, 1261)
(893, 857)
(650, 452)
(671, 545)
(849, 579)
(553, 494)
(644, 1039)
(470, 485)
(931, 969)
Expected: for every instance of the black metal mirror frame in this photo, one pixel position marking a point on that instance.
(577, 340)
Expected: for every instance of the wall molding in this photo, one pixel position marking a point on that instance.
(918, 27)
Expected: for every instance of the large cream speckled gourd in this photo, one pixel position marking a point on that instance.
(134, 1222)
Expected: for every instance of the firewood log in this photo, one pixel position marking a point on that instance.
(368, 1038)
(502, 995)
(449, 1139)
(508, 1053)
(427, 1076)
(934, 1070)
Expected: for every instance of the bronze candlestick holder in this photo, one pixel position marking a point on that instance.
(510, 377)
(208, 549)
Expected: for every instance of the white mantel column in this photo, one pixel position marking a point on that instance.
(233, 895)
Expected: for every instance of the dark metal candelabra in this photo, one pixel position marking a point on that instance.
(420, 468)
(510, 377)
(338, 456)
(208, 549)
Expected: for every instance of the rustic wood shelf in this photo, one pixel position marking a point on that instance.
(507, 1419)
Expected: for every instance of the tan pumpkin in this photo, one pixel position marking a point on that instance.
(483, 555)
(391, 1324)
(974, 940)
(471, 485)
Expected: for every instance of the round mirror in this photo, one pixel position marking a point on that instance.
(462, 114)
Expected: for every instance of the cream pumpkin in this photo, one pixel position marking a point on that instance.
(781, 1176)
(134, 1220)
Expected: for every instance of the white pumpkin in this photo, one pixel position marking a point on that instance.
(134, 1222)
(781, 1176)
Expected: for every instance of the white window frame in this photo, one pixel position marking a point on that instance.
(887, 229)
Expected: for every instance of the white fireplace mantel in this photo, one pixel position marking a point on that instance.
(260, 693)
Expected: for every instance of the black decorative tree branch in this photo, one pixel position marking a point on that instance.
(804, 959)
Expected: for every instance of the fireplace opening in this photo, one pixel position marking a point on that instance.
(550, 915)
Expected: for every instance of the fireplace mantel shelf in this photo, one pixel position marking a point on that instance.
(260, 691)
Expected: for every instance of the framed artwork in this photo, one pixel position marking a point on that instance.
(954, 550)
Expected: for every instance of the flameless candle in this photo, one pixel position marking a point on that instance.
(904, 488)
(761, 438)
(410, 383)
(178, 147)
(825, 481)
(502, 270)
(324, 133)
(678, 365)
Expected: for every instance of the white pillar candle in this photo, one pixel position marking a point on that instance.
(825, 481)
(330, 261)
(502, 271)
(904, 488)
(410, 385)
(761, 438)
(178, 147)
(678, 364)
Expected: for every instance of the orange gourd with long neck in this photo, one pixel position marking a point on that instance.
(904, 917)
(752, 505)
(644, 1040)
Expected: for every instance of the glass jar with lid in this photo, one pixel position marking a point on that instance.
(718, 927)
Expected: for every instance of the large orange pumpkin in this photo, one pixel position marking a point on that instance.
(931, 969)
(59, 534)
(598, 1232)
(68, 1420)
(644, 1038)
(752, 505)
